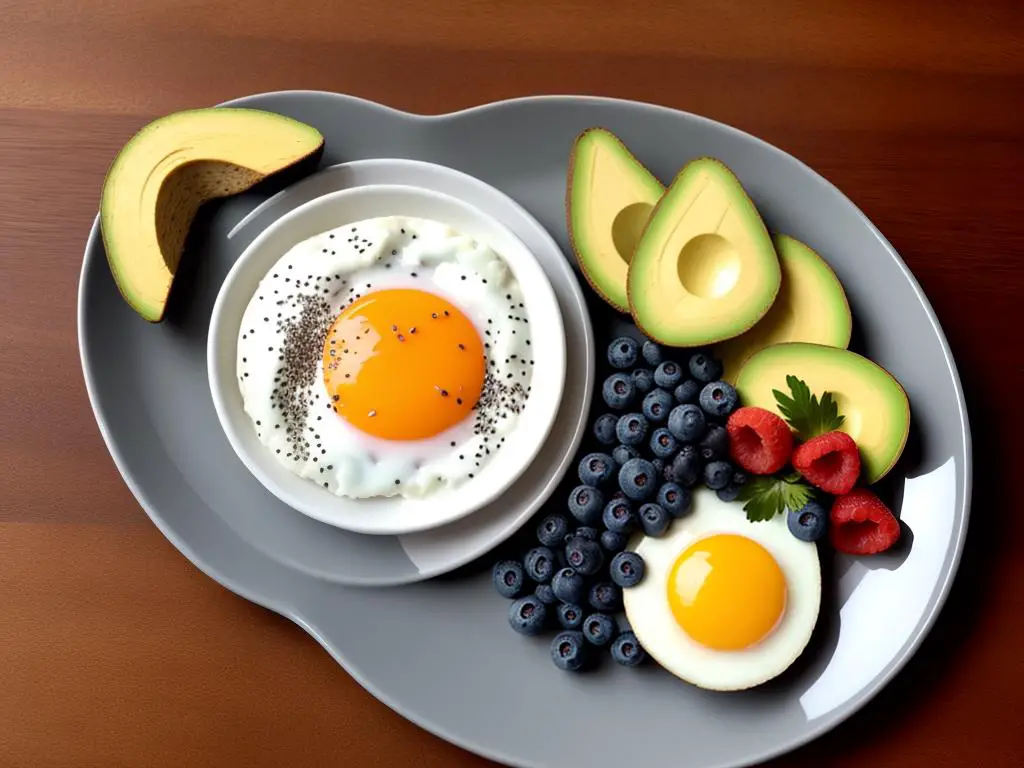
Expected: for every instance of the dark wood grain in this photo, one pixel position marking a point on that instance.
(116, 651)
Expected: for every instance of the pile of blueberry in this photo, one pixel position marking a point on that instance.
(664, 434)
(676, 419)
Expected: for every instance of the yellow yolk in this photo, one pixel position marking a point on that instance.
(403, 364)
(727, 592)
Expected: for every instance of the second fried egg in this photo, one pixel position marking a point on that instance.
(387, 357)
(725, 603)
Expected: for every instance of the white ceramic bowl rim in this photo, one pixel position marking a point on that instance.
(395, 515)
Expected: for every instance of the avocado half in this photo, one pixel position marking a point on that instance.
(705, 269)
(811, 306)
(609, 197)
(875, 405)
(172, 166)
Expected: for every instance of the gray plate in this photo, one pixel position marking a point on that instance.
(440, 652)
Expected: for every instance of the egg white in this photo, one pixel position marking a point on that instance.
(651, 618)
(337, 267)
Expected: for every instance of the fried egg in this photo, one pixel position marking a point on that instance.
(725, 603)
(390, 357)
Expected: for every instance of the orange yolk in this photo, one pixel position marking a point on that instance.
(727, 592)
(403, 364)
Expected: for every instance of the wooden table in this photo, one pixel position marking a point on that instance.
(115, 651)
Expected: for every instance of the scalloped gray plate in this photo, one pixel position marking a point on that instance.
(440, 652)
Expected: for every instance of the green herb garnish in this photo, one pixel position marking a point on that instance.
(770, 495)
(805, 413)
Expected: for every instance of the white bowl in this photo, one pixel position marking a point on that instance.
(393, 515)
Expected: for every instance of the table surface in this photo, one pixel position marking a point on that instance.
(115, 650)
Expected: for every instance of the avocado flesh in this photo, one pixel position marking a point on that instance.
(811, 307)
(172, 166)
(610, 196)
(875, 406)
(705, 268)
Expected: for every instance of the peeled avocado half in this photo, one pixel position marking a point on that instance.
(875, 406)
(811, 306)
(610, 195)
(705, 269)
(172, 166)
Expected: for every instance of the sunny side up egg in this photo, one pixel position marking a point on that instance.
(387, 357)
(725, 604)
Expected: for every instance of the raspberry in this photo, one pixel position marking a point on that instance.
(759, 441)
(830, 462)
(862, 524)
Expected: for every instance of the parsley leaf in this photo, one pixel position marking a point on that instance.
(805, 413)
(768, 496)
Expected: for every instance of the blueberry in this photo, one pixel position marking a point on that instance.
(674, 499)
(651, 353)
(584, 556)
(585, 532)
(618, 391)
(618, 516)
(623, 352)
(715, 443)
(552, 529)
(627, 651)
(527, 615)
(570, 615)
(614, 541)
(569, 586)
(604, 429)
(718, 399)
(539, 564)
(809, 522)
(643, 380)
(739, 477)
(596, 469)
(638, 479)
(731, 492)
(623, 453)
(605, 596)
(545, 594)
(663, 444)
(631, 429)
(598, 629)
(560, 562)
(687, 423)
(704, 368)
(686, 467)
(667, 374)
(509, 578)
(585, 504)
(569, 651)
(687, 392)
(656, 405)
(659, 465)
(627, 569)
(717, 475)
(654, 520)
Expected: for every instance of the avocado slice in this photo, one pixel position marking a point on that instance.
(705, 269)
(875, 406)
(608, 199)
(811, 306)
(172, 166)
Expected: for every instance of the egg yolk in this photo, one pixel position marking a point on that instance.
(727, 592)
(403, 364)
